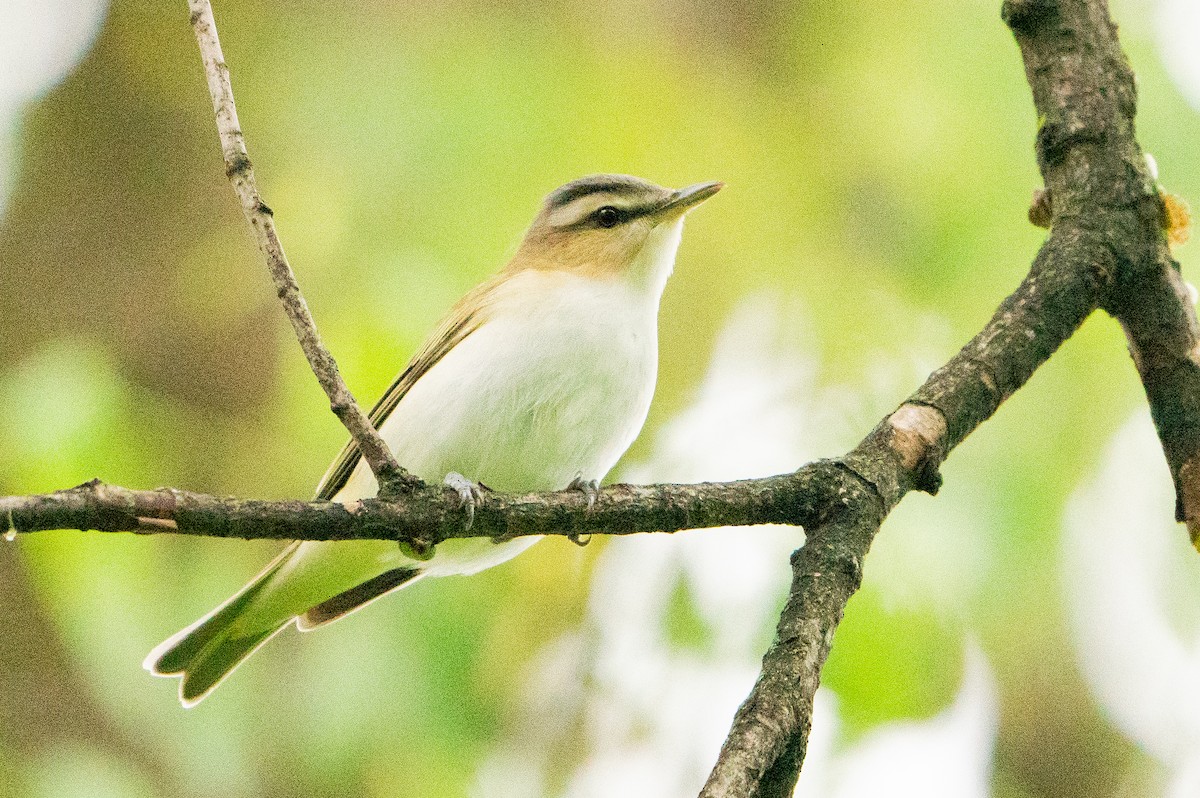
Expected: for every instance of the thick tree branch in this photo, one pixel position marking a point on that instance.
(390, 476)
(1097, 177)
(765, 748)
(1107, 249)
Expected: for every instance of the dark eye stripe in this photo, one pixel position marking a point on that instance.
(634, 212)
(626, 215)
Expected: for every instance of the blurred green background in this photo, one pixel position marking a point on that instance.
(879, 163)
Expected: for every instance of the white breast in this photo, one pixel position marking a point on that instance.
(556, 384)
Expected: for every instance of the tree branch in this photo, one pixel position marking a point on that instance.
(433, 513)
(1106, 250)
(765, 748)
(391, 477)
(1096, 174)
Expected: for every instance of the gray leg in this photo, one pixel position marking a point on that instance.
(469, 493)
(591, 489)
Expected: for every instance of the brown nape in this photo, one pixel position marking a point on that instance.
(355, 597)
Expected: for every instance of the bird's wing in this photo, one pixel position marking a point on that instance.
(467, 316)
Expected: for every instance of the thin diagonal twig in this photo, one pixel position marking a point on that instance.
(391, 476)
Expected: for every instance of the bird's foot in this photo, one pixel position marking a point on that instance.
(588, 487)
(591, 489)
(470, 495)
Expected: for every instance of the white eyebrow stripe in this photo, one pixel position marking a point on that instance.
(579, 209)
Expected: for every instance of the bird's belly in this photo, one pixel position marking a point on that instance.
(523, 407)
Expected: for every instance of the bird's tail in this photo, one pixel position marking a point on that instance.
(312, 583)
(204, 653)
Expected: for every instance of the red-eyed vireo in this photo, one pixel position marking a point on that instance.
(538, 379)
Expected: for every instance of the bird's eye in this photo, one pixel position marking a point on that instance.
(608, 216)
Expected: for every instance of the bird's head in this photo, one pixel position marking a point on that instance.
(611, 226)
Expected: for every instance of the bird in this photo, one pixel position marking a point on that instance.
(538, 379)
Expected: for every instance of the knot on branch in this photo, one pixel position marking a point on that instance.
(237, 165)
(1056, 139)
(918, 435)
(1025, 16)
(1041, 208)
(117, 509)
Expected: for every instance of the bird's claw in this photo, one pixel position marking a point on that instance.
(591, 489)
(470, 495)
(588, 487)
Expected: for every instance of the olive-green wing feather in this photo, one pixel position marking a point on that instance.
(467, 316)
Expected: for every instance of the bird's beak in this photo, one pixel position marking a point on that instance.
(685, 199)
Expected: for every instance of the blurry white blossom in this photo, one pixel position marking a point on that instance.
(1178, 35)
(40, 42)
(947, 756)
(1132, 580)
